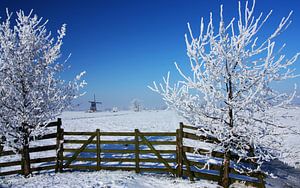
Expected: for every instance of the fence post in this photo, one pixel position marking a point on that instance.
(137, 151)
(98, 150)
(59, 147)
(58, 144)
(261, 180)
(1, 149)
(179, 152)
(61, 151)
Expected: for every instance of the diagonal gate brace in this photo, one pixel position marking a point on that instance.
(157, 153)
(79, 150)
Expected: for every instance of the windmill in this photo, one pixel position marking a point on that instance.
(93, 107)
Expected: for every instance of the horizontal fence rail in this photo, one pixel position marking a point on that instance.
(159, 152)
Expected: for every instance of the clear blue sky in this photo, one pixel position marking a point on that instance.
(125, 45)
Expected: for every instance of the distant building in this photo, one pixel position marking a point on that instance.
(115, 109)
(93, 107)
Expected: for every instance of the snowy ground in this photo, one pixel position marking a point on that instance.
(103, 179)
(153, 121)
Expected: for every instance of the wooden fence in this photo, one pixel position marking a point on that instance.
(192, 166)
(48, 162)
(159, 152)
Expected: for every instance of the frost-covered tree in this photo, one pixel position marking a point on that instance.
(229, 91)
(31, 90)
(136, 105)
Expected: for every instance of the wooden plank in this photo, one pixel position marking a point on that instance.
(200, 138)
(201, 165)
(10, 163)
(80, 150)
(66, 141)
(189, 127)
(159, 133)
(43, 137)
(160, 151)
(117, 151)
(117, 133)
(79, 133)
(117, 142)
(170, 160)
(45, 159)
(157, 153)
(10, 152)
(52, 124)
(126, 151)
(75, 149)
(159, 142)
(102, 142)
(48, 136)
(42, 148)
(118, 159)
(81, 159)
(40, 168)
(120, 142)
(31, 150)
(137, 151)
(201, 175)
(10, 172)
(189, 149)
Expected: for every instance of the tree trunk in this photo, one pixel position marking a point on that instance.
(225, 181)
(26, 161)
(25, 154)
(224, 173)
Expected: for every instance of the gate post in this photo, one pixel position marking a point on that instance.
(179, 151)
(61, 151)
(98, 150)
(137, 151)
(57, 145)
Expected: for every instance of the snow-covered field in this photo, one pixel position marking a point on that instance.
(153, 121)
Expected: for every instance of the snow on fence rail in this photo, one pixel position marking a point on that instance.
(160, 152)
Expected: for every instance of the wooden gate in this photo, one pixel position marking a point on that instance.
(139, 151)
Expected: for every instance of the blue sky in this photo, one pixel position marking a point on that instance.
(125, 45)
